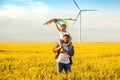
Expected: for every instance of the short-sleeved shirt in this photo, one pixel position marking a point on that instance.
(63, 57)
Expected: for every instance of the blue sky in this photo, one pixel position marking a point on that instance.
(22, 20)
(68, 4)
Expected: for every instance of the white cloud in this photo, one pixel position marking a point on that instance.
(29, 10)
(33, 11)
(23, 23)
(13, 11)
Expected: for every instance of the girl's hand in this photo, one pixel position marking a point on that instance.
(55, 20)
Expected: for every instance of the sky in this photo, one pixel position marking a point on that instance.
(23, 20)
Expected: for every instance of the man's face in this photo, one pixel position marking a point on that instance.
(65, 39)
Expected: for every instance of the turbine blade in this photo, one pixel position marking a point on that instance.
(89, 10)
(74, 22)
(76, 4)
(74, 19)
(78, 15)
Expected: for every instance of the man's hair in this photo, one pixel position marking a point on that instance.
(66, 35)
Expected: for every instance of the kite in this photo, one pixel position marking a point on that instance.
(59, 21)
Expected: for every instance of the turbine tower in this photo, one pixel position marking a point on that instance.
(79, 14)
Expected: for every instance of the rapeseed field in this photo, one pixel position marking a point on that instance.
(36, 61)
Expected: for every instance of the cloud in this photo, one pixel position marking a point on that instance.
(25, 23)
(30, 8)
(13, 11)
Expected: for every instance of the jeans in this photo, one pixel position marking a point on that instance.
(61, 66)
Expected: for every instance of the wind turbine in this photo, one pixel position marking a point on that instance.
(79, 14)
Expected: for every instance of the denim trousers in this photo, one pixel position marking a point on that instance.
(61, 66)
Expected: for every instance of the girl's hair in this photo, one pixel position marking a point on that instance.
(63, 25)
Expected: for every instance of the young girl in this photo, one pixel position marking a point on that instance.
(62, 31)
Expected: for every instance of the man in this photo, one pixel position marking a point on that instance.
(63, 57)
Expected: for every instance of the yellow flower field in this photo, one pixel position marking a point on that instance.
(36, 61)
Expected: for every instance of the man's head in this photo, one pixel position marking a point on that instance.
(66, 38)
(63, 26)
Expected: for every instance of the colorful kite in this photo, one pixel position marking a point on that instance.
(59, 21)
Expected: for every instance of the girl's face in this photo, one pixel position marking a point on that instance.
(63, 28)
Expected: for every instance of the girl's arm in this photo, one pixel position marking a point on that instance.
(58, 28)
(69, 40)
(68, 43)
(57, 49)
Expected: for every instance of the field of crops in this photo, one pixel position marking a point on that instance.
(35, 61)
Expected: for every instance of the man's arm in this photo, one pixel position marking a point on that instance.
(71, 52)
